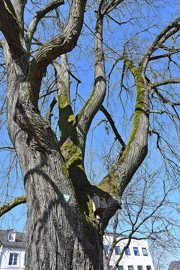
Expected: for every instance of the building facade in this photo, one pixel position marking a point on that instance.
(175, 265)
(136, 257)
(12, 250)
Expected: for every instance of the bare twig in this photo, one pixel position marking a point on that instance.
(109, 118)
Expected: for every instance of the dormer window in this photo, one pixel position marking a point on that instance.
(11, 236)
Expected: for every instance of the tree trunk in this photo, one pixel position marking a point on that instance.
(58, 236)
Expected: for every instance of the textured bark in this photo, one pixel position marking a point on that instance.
(62, 234)
(58, 237)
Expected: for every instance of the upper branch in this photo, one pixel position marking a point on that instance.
(136, 149)
(118, 136)
(170, 30)
(170, 81)
(11, 28)
(19, 6)
(61, 44)
(39, 15)
(92, 105)
(110, 5)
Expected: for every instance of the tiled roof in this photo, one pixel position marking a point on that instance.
(174, 265)
(19, 240)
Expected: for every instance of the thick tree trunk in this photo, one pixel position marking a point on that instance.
(58, 236)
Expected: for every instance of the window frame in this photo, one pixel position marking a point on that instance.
(11, 236)
(127, 251)
(106, 249)
(147, 267)
(136, 253)
(117, 250)
(141, 267)
(144, 251)
(130, 267)
(13, 259)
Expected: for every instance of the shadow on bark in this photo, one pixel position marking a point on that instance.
(60, 226)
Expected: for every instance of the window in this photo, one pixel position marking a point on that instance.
(148, 267)
(11, 236)
(106, 248)
(110, 267)
(13, 257)
(127, 251)
(140, 267)
(144, 251)
(130, 267)
(136, 251)
(117, 250)
(25, 259)
(120, 267)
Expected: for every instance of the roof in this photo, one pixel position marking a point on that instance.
(175, 265)
(19, 239)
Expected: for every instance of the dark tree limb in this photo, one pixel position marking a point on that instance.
(171, 81)
(170, 30)
(110, 5)
(11, 29)
(110, 120)
(61, 44)
(91, 107)
(9, 206)
(39, 15)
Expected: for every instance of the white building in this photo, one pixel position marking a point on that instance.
(136, 257)
(12, 250)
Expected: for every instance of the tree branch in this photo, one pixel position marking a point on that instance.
(107, 8)
(19, 6)
(39, 15)
(11, 29)
(91, 107)
(9, 206)
(136, 149)
(159, 40)
(164, 99)
(173, 81)
(61, 44)
(109, 118)
(171, 52)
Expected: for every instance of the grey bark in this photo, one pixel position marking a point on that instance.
(57, 235)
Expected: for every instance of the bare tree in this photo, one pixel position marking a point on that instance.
(64, 231)
(146, 216)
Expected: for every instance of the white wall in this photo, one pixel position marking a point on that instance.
(4, 259)
(131, 259)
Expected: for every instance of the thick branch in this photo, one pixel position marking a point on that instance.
(39, 15)
(107, 8)
(62, 44)
(11, 29)
(19, 6)
(9, 206)
(136, 148)
(92, 105)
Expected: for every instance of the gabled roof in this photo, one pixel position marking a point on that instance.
(19, 239)
(175, 265)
